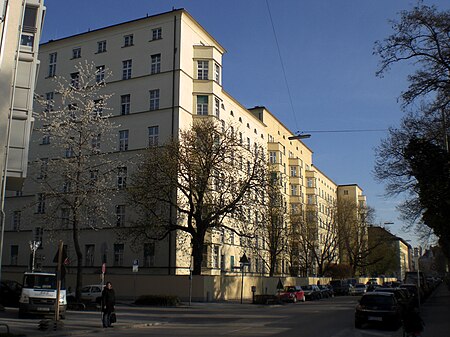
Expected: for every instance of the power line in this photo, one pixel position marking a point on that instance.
(282, 64)
(343, 131)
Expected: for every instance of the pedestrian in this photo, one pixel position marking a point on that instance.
(108, 302)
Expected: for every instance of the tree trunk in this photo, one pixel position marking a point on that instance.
(79, 253)
(197, 253)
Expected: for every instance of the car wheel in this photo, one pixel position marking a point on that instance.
(358, 324)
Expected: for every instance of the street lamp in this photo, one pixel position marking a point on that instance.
(300, 136)
(34, 245)
(243, 262)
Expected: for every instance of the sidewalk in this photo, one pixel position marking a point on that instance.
(435, 313)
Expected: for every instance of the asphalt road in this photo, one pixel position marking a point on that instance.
(325, 318)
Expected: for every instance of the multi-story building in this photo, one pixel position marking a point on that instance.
(166, 74)
(20, 30)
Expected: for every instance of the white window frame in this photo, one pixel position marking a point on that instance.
(217, 72)
(52, 58)
(120, 215)
(127, 66)
(128, 40)
(155, 64)
(217, 107)
(76, 53)
(123, 140)
(154, 99)
(100, 74)
(202, 107)
(202, 69)
(125, 104)
(153, 135)
(101, 46)
(122, 173)
(157, 33)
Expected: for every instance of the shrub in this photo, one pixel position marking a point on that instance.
(160, 300)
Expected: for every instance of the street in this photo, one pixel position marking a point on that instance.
(325, 318)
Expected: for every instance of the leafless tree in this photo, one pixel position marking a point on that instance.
(75, 189)
(206, 180)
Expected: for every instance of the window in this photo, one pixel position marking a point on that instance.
(153, 135)
(123, 140)
(89, 254)
(217, 107)
(248, 143)
(101, 46)
(16, 220)
(154, 99)
(97, 111)
(125, 101)
(156, 64)
(52, 64)
(38, 235)
(202, 70)
(293, 171)
(118, 254)
(215, 256)
(95, 142)
(121, 177)
(128, 40)
(14, 255)
(29, 26)
(93, 176)
(67, 186)
(149, 254)
(68, 153)
(76, 53)
(65, 217)
(222, 262)
(100, 74)
(43, 168)
(75, 80)
(345, 192)
(40, 203)
(294, 190)
(72, 110)
(49, 101)
(310, 199)
(272, 157)
(202, 105)
(231, 263)
(217, 72)
(120, 215)
(157, 33)
(309, 182)
(126, 69)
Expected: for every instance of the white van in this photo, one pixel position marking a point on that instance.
(39, 294)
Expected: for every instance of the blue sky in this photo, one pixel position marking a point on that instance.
(326, 47)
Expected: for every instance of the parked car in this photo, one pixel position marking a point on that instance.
(358, 289)
(378, 307)
(402, 295)
(414, 292)
(326, 291)
(10, 293)
(340, 287)
(292, 294)
(89, 294)
(312, 292)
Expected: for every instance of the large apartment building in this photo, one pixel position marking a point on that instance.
(166, 73)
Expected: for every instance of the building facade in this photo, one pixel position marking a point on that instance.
(166, 74)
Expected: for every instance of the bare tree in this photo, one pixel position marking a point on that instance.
(207, 180)
(353, 221)
(74, 180)
(317, 239)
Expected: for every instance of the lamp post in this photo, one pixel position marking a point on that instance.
(243, 262)
(300, 136)
(34, 245)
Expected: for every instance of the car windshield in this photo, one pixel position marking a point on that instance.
(377, 300)
(39, 281)
(308, 288)
(289, 289)
(360, 286)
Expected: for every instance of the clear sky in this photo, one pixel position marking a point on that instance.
(326, 48)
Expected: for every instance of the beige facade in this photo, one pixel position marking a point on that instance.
(166, 74)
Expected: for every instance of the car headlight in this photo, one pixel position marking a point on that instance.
(24, 299)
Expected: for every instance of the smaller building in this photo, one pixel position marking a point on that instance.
(389, 255)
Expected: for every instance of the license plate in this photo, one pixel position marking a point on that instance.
(43, 309)
(373, 318)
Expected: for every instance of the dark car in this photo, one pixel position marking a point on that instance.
(10, 293)
(340, 287)
(292, 294)
(326, 291)
(402, 295)
(378, 308)
(312, 292)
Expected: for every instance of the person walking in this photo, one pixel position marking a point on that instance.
(108, 302)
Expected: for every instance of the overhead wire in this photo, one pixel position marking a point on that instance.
(282, 64)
